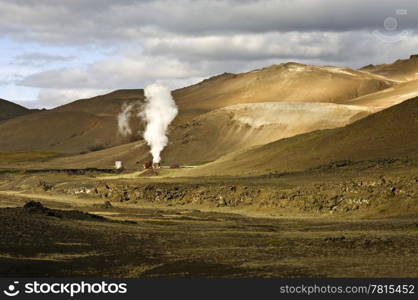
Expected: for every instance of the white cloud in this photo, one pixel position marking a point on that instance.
(50, 98)
(248, 46)
(114, 73)
(40, 58)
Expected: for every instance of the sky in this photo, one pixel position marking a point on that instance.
(56, 51)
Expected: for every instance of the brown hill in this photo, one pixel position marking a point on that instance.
(9, 110)
(81, 126)
(66, 132)
(211, 135)
(104, 105)
(400, 70)
(284, 82)
(89, 124)
(391, 133)
(388, 97)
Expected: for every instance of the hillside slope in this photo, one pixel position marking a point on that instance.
(211, 135)
(226, 130)
(81, 126)
(388, 97)
(104, 105)
(92, 123)
(400, 70)
(10, 110)
(391, 133)
(66, 132)
(285, 82)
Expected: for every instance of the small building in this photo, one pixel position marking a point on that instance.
(118, 165)
(147, 165)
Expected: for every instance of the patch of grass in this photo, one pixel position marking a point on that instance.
(14, 157)
(7, 171)
(161, 222)
(413, 228)
(274, 243)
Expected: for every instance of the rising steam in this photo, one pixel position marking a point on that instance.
(123, 119)
(159, 110)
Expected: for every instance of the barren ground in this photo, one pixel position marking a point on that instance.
(326, 222)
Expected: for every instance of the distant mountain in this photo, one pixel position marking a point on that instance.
(226, 130)
(65, 132)
(388, 97)
(400, 70)
(9, 110)
(104, 105)
(389, 134)
(285, 82)
(91, 124)
(81, 126)
(291, 82)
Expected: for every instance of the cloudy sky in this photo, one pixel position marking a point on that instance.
(56, 51)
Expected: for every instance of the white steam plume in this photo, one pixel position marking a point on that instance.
(123, 119)
(159, 111)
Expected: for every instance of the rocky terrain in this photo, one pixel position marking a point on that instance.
(383, 188)
(151, 242)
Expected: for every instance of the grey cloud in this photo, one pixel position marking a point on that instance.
(351, 48)
(110, 20)
(181, 42)
(115, 73)
(40, 58)
(60, 78)
(4, 82)
(248, 46)
(183, 60)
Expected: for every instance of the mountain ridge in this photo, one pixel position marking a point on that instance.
(10, 110)
(91, 124)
